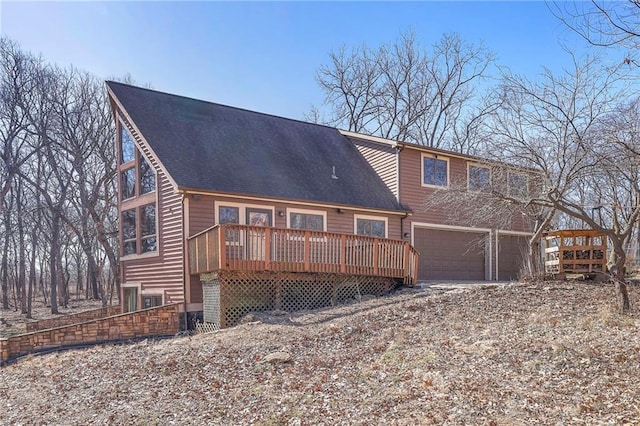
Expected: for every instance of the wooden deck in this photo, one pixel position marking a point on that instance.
(575, 251)
(249, 248)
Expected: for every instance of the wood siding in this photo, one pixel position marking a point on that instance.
(162, 273)
(382, 159)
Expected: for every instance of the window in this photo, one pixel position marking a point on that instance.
(129, 239)
(311, 222)
(148, 228)
(151, 300)
(371, 226)
(517, 185)
(479, 178)
(146, 176)
(128, 183)
(435, 171)
(127, 146)
(138, 224)
(230, 215)
(130, 298)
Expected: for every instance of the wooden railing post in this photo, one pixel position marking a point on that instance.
(307, 251)
(407, 260)
(343, 254)
(222, 247)
(267, 249)
(376, 256)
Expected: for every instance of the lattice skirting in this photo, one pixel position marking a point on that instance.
(230, 295)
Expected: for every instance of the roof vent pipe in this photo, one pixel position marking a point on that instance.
(333, 174)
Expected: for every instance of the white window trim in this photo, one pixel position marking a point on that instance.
(480, 166)
(526, 182)
(435, 157)
(379, 218)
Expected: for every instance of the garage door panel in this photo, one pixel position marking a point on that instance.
(450, 255)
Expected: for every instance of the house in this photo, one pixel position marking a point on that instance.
(229, 211)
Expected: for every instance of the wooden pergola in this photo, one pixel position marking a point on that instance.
(575, 251)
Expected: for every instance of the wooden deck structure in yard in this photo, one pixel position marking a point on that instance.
(575, 251)
(251, 268)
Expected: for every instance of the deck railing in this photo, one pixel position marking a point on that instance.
(252, 248)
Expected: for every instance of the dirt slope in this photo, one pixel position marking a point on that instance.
(554, 353)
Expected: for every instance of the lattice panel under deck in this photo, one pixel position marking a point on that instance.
(244, 292)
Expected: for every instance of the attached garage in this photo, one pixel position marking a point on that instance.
(451, 255)
(512, 250)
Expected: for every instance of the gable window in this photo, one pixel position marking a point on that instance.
(518, 185)
(138, 218)
(127, 146)
(371, 226)
(146, 176)
(148, 238)
(435, 171)
(479, 178)
(128, 183)
(129, 240)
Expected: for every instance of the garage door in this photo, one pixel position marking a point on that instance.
(512, 250)
(450, 255)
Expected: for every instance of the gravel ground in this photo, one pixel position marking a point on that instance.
(548, 353)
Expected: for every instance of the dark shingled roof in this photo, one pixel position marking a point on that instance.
(212, 147)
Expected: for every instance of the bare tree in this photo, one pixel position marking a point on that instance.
(404, 92)
(556, 132)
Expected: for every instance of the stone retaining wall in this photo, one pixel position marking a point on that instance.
(158, 321)
(73, 318)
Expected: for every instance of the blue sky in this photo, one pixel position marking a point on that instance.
(263, 55)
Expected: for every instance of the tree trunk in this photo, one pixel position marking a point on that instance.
(53, 263)
(618, 259)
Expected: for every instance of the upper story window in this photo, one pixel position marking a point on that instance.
(371, 226)
(146, 176)
(435, 171)
(310, 220)
(479, 178)
(138, 219)
(137, 177)
(127, 146)
(518, 185)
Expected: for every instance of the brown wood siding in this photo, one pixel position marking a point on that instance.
(383, 160)
(449, 255)
(512, 250)
(162, 274)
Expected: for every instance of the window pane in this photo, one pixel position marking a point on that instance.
(129, 224)
(311, 222)
(147, 176)
(517, 185)
(148, 220)
(435, 171)
(228, 215)
(127, 146)
(149, 244)
(128, 183)
(129, 247)
(479, 178)
(371, 228)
